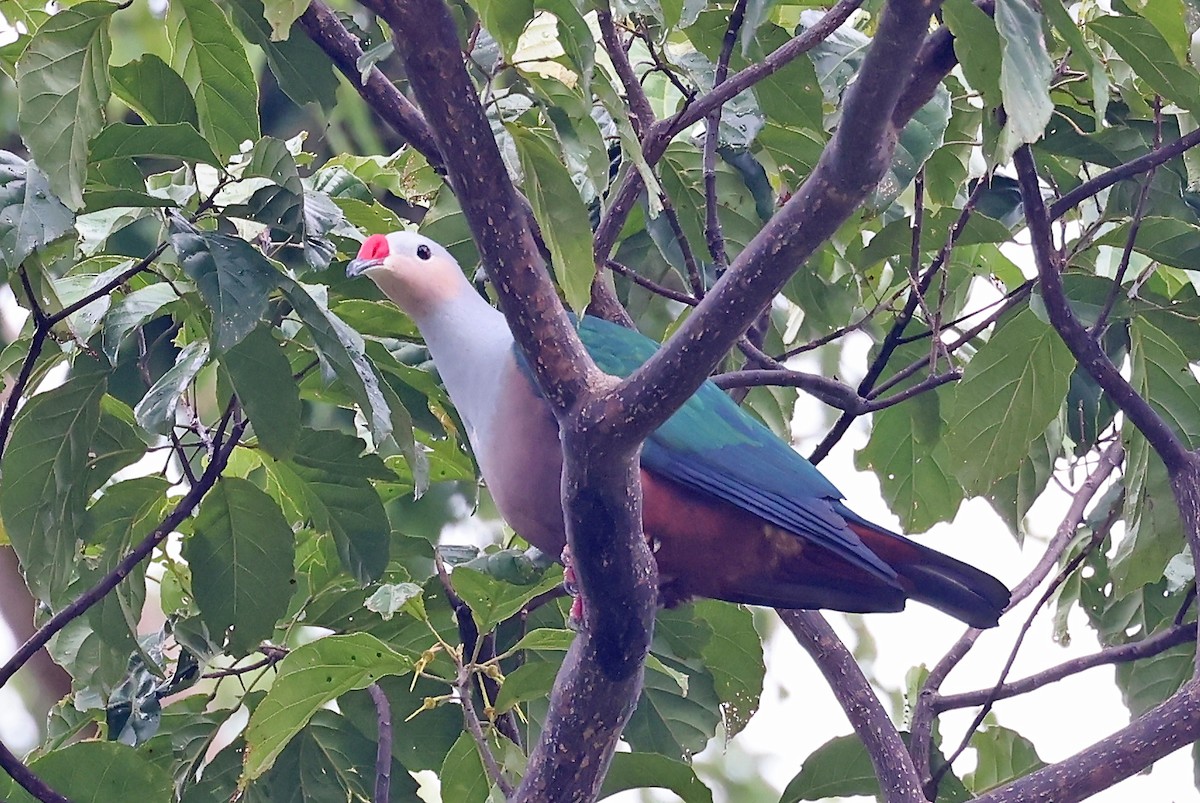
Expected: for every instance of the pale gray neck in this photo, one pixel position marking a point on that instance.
(471, 344)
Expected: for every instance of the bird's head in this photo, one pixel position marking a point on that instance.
(411, 269)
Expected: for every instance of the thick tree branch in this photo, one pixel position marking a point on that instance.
(1155, 734)
(600, 679)
(850, 167)
(1086, 350)
(893, 766)
(427, 40)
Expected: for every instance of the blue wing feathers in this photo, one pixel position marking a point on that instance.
(715, 447)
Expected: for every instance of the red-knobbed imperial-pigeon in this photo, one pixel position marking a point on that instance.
(730, 510)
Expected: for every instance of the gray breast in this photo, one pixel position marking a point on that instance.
(520, 455)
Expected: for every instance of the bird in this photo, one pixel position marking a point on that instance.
(729, 510)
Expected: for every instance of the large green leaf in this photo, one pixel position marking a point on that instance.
(1150, 681)
(838, 768)
(234, 279)
(211, 59)
(1143, 48)
(310, 677)
(262, 378)
(671, 724)
(734, 656)
(1168, 240)
(62, 83)
(491, 600)
(1010, 392)
(241, 556)
(1025, 72)
(504, 20)
(303, 70)
(561, 214)
(1003, 755)
(156, 92)
(156, 411)
(172, 141)
(343, 350)
(44, 491)
(463, 778)
(331, 477)
(95, 772)
(647, 770)
(131, 312)
(30, 215)
(978, 47)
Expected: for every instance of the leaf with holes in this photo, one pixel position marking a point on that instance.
(30, 215)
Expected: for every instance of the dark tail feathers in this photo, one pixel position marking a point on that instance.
(928, 576)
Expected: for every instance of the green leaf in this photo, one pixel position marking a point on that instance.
(734, 656)
(303, 70)
(1163, 375)
(131, 312)
(281, 14)
(424, 738)
(1003, 755)
(44, 491)
(156, 411)
(838, 768)
(241, 556)
(342, 348)
(392, 598)
(1143, 48)
(62, 84)
(174, 141)
(329, 472)
(561, 213)
(310, 677)
(338, 762)
(647, 770)
(529, 681)
(1167, 240)
(156, 92)
(1011, 390)
(670, 724)
(30, 215)
(504, 20)
(1025, 72)
(493, 601)
(463, 778)
(234, 279)
(211, 59)
(977, 46)
(95, 772)
(1061, 21)
(1152, 680)
(923, 135)
(262, 379)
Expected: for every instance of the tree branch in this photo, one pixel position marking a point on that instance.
(381, 95)
(850, 167)
(1155, 734)
(183, 508)
(893, 765)
(1086, 350)
(1146, 648)
(383, 751)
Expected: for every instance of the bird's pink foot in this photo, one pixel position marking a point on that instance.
(571, 586)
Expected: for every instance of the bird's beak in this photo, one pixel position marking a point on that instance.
(358, 267)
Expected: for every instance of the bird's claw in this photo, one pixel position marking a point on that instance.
(571, 586)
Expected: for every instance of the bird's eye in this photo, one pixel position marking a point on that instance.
(423, 252)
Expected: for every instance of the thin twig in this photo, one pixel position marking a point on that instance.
(652, 286)
(712, 124)
(383, 749)
(475, 727)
